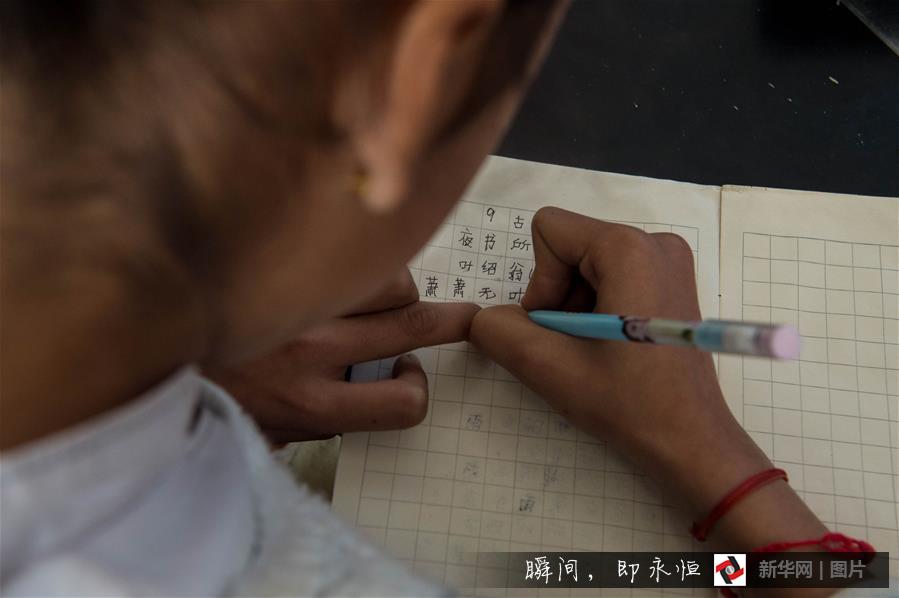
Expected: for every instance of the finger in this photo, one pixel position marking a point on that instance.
(537, 356)
(581, 296)
(386, 333)
(400, 402)
(400, 291)
(563, 242)
(676, 249)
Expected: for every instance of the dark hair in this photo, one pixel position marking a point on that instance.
(58, 42)
(107, 77)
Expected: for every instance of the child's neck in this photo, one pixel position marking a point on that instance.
(79, 343)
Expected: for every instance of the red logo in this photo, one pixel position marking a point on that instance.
(730, 569)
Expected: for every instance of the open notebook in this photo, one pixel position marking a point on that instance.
(492, 468)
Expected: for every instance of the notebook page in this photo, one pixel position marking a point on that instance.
(827, 264)
(492, 468)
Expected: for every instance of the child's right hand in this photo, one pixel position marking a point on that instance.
(659, 406)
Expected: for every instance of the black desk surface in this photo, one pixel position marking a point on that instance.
(778, 93)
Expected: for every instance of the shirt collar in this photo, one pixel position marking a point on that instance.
(57, 488)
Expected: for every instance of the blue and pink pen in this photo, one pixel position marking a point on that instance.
(720, 336)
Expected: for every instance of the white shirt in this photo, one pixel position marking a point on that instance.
(176, 494)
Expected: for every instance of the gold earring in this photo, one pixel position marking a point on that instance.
(361, 183)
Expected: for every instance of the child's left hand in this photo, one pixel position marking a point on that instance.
(298, 392)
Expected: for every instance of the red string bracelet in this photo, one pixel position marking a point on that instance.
(830, 542)
(701, 530)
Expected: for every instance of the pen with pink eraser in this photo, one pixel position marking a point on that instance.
(720, 336)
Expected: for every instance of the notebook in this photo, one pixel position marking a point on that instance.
(492, 468)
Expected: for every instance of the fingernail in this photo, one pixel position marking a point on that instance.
(412, 357)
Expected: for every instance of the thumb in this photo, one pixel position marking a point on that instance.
(551, 363)
(398, 402)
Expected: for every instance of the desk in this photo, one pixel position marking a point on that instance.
(714, 92)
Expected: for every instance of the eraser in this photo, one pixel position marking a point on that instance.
(783, 342)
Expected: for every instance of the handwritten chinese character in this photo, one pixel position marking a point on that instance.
(465, 265)
(550, 476)
(657, 568)
(466, 237)
(489, 241)
(623, 570)
(518, 222)
(537, 569)
(688, 568)
(569, 567)
(515, 272)
(487, 293)
(459, 288)
(472, 469)
(527, 503)
(516, 295)
(488, 268)
(522, 244)
(431, 288)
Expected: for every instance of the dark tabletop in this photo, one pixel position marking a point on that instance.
(779, 93)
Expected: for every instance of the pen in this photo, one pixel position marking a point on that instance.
(722, 336)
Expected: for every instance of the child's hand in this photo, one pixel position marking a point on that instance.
(660, 406)
(298, 392)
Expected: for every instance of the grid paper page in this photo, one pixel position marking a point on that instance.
(831, 418)
(492, 468)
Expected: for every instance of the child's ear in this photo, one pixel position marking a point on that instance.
(432, 60)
